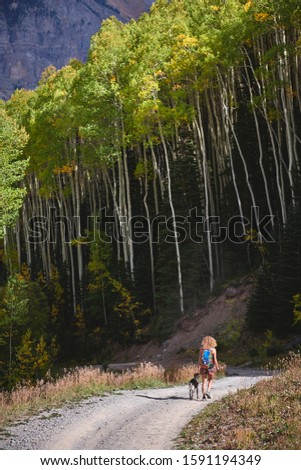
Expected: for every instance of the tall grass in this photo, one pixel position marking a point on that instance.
(84, 382)
(267, 416)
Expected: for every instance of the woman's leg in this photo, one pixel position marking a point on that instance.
(204, 384)
(210, 382)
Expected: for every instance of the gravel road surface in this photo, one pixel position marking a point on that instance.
(127, 420)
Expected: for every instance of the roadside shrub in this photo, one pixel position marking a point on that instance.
(83, 382)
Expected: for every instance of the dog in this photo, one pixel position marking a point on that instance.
(194, 386)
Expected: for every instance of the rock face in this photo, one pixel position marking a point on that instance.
(37, 33)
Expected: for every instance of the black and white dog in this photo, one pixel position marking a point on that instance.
(194, 386)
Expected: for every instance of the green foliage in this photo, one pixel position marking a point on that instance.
(12, 142)
(32, 359)
(270, 346)
(297, 307)
(230, 334)
(13, 317)
(24, 309)
(16, 299)
(144, 171)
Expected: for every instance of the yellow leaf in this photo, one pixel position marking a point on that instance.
(261, 16)
(248, 5)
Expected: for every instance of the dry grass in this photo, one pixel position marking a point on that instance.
(82, 383)
(267, 416)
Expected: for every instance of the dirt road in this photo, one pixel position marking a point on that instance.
(139, 419)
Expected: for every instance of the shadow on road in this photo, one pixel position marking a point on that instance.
(166, 398)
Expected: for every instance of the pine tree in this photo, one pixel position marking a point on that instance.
(288, 276)
(277, 281)
(13, 318)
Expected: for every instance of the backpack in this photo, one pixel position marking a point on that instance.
(206, 361)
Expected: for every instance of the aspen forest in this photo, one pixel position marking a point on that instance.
(132, 186)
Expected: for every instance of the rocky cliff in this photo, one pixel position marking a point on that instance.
(37, 33)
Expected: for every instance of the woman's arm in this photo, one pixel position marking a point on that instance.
(215, 358)
(200, 356)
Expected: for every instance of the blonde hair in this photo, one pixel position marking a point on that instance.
(209, 342)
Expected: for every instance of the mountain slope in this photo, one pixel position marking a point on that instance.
(130, 8)
(34, 35)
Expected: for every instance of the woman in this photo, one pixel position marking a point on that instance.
(208, 364)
